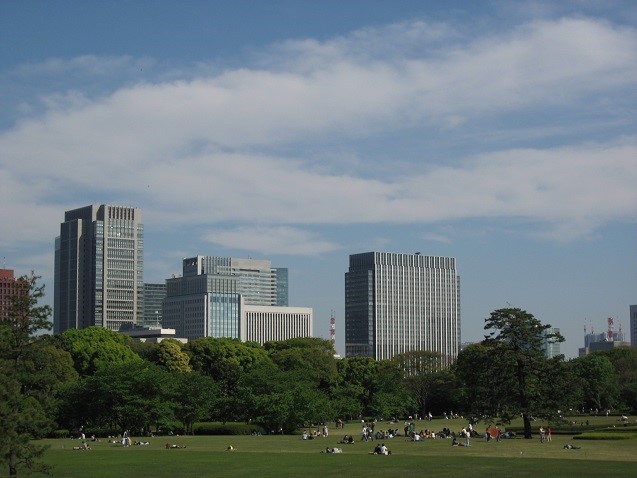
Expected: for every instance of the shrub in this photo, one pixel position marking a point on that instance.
(230, 428)
(606, 435)
(61, 433)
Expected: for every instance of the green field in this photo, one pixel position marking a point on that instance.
(289, 455)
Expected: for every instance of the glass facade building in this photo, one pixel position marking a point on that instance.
(99, 273)
(259, 282)
(154, 295)
(397, 303)
(235, 298)
(203, 305)
(550, 345)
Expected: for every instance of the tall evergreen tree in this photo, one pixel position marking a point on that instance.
(516, 339)
(23, 410)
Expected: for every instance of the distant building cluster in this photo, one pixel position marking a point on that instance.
(394, 303)
(99, 282)
(606, 340)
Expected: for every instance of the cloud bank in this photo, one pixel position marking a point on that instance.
(251, 153)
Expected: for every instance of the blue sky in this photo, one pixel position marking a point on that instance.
(499, 133)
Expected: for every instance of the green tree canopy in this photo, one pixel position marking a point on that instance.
(599, 381)
(314, 357)
(421, 368)
(169, 354)
(134, 395)
(96, 346)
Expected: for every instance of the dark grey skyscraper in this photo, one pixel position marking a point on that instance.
(99, 268)
(396, 303)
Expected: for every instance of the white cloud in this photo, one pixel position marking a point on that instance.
(435, 237)
(272, 240)
(209, 149)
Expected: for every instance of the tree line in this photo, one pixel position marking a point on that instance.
(98, 380)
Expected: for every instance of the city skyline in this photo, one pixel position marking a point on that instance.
(498, 133)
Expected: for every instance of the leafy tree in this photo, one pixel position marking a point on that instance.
(281, 401)
(560, 388)
(132, 395)
(225, 360)
(421, 368)
(314, 357)
(195, 395)
(170, 356)
(624, 360)
(344, 402)
(598, 375)
(96, 346)
(390, 397)
(357, 378)
(29, 378)
(482, 391)
(516, 339)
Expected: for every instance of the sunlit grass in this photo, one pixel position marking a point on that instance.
(289, 455)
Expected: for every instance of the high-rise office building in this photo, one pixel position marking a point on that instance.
(234, 298)
(154, 295)
(99, 268)
(397, 303)
(550, 345)
(633, 325)
(259, 282)
(203, 305)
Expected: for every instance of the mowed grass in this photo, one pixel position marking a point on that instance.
(289, 455)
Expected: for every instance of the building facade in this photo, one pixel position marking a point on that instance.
(607, 340)
(397, 303)
(264, 324)
(259, 282)
(10, 286)
(633, 325)
(154, 295)
(550, 345)
(99, 268)
(233, 298)
(203, 305)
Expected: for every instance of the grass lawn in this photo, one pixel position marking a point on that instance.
(289, 455)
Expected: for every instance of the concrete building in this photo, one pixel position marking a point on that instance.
(234, 298)
(153, 334)
(396, 303)
(10, 286)
(99, 268)
(263, 324)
